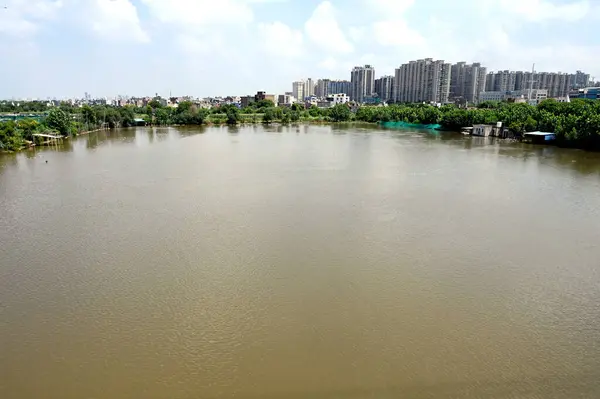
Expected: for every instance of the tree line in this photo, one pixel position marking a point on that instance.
(576, 124)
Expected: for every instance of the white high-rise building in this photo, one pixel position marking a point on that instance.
(363, 83)
(298, 90)
(309, 88)
(467, 81)
(423, 81)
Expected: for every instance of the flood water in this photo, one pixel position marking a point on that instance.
(300, 262)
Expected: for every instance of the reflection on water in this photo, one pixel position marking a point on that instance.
(299, 262)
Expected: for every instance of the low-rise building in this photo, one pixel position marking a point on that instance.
(536, 95)
(285, 100)
(491, 96)
(482, 130)
(591, 93)
(532, 96)
(246, 101)
(262, 96)
(332, 100)
(339, 98)
(310, 101)
(496, 130)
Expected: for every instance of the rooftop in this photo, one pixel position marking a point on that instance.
(538, 133)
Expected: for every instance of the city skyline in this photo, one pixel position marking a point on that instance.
(204, 48)
(458, 80)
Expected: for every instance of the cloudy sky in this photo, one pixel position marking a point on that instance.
(60, 48)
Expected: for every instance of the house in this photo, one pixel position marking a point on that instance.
(497, 130)
(482, 130)
(539, 137)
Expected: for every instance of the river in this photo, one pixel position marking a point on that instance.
(299, 262)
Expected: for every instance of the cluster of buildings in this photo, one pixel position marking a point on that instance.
(419, 81)
(122, 101)
(438, 82)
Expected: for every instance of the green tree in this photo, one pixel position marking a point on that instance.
(314, 111)
(268, 115)
(262, 104)
(155, 104)
(488, 104)
(59, 120)
(163, 116)
(232, 113)
(339, 113)
(127, 116)
(112, 117)
(88, 115)
(295, 116)
(28, 127)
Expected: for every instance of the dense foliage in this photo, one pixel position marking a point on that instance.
(576, 124)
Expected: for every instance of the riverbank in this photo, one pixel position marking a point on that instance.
(575, 124)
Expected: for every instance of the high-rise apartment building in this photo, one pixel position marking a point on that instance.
(457, 80)
(423, 81)
(363, 83)
(339, 87)
(467, 81)
(309, 88)
(384, 88)
(504, 81)
(557, 83)
(298, 90)
(322, 88)
(579, 80)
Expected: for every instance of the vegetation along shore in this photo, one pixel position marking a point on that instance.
(576, 124)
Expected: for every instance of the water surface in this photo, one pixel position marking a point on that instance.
(299, 262)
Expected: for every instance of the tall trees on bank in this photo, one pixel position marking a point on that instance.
(576, 124)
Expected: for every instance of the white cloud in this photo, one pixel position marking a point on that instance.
(391, 28)
(249, 45)
(201, 27)
(541, 10)
(42, 9)
(329, 64)
(193, 45)
(116, 20)
(389, 7)
(196, 15)
(16, 26)
(279, 40)
(357, 33)
(22, 18)
(396, 33)
(324, 31)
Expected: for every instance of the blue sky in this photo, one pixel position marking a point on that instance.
(63, 48)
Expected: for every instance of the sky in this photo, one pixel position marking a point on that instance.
(63, 48)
